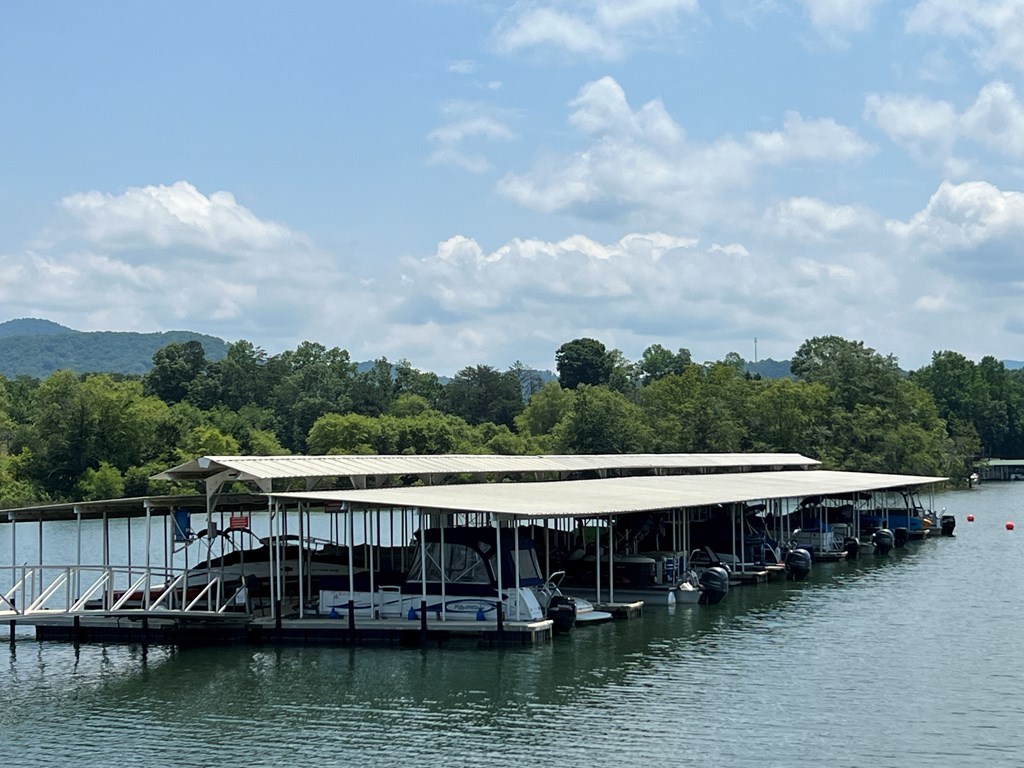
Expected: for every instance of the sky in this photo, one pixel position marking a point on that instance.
(476, 182)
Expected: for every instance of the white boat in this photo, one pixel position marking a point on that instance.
(467, 573)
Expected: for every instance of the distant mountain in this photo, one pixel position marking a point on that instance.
(33, 347)
(769, 369)
(1013, 365)
(32, 326)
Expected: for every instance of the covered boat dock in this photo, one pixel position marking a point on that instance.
(74, 608)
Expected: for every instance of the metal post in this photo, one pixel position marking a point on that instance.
(370, 564)
(519, 580)
(42, 580)
(106, 561)
(497, 541)
(611, 562)
(423, 622)
(149, 564)
(78, 553)
(350, 518)
(444, 580)
(302, 557)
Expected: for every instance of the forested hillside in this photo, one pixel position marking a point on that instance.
(85, 436)
(32, 347)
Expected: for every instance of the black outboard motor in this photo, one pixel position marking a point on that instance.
(852, 547)
(798, 564)
(948, 524)
(884, 540)
(562, 611)
(900, 537)
(714, 585)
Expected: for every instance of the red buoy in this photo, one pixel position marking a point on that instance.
(1009, 526)
(970, 518)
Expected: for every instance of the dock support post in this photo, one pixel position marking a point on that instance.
(352, 615)
(13, 622)
(501, 619)
(423, 622)
(78, 629)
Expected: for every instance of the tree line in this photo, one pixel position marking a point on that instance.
(70, 436)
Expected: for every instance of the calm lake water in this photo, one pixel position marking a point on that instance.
(909, 660)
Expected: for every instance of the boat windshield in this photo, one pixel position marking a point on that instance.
(462, 565)
(465, 565)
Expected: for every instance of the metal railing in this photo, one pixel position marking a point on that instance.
(82, 589)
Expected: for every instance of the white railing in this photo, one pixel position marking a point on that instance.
(79, 589)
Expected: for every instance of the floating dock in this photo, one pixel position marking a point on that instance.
(191, 628)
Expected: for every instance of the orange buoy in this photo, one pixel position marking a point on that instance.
(1009, 526)
(970, 518)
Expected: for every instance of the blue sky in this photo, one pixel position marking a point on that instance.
(457, 182)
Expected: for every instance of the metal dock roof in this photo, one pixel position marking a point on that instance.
(256, 468)
(595, 498)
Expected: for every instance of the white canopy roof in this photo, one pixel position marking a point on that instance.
(257, 468)
(595, 498)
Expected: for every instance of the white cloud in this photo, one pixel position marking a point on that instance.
(811, 220)
(639, 163)
(462, 66)
(992, 29)
(975, 222)
(930, 129)
(927, 128)
(835, 19)
(176, 215)
(466, 127)
(996, 119)
(814, 268)
(602, 29)
(641, 289)
(163, 257)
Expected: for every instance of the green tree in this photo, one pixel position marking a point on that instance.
(174, 369)
(583, 361)
(704, 409)
(410, 381)
(625, 375)
(310, 381)
(409, 405)
(788, 415)
(425, 433)
(482, 393)
(242, 376)
(658, 362)
(602, 421)
(344, 433)
(104, 482)
(374, 390)
(529, 380)
(207, 440)
(855, 374)
(546, 408)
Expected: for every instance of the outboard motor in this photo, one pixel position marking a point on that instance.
(714, 585)
(900, 537)
(562, 611)
(948, 523)
(798, 564)
(884, 540)
(851, 547)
